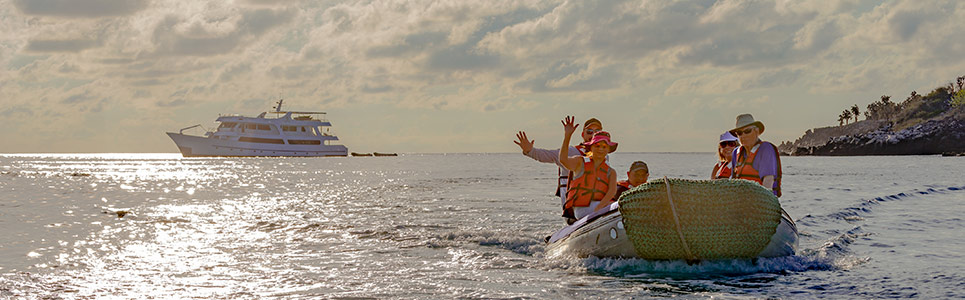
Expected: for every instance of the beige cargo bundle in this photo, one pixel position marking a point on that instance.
(700, 219)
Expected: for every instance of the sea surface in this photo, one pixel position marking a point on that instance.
(441, 226)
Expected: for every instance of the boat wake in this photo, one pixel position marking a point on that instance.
(513, 242)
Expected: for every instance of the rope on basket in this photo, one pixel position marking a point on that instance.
(676, 220)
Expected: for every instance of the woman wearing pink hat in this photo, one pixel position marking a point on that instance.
(594, 183)
(725, 149)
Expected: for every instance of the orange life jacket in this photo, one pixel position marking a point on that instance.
(744, 167)
(723, 170)
(591, 186)
(624, 183)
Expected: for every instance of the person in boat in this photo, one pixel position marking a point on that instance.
(590, 127)
(594, 183)
(725, 153)
(638, 174)
(755, 160)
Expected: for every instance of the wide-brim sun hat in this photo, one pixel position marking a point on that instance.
(745, 120)
(727, 137)
(601, 136)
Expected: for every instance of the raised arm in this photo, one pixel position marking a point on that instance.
(611, 192)
(524, 142)
(571, 163)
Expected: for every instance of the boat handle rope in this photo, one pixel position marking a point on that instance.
(676, 220)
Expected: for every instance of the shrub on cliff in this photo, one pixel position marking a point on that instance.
(958, 99)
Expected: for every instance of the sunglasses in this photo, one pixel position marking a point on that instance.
(743, 132)
(728, 144)
(592, 131)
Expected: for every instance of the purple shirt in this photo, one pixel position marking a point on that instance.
(765, 162)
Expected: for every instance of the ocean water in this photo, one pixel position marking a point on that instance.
(442, 226)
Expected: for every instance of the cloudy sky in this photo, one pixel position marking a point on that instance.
(460, 76)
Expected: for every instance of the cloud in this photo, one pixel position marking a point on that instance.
(376, 89)
(269, 2)
(461, 58)
(11, 112)
(78, 98)
(711, 84)
(67, 67)
(171, 103)
(80, 8)
(231, 72)
(412, 43)
(259, 21)
(494, 57)
(905, 23)
(75, 45)
(295, 72)
(178, 36)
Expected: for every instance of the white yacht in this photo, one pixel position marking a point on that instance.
(291, 133)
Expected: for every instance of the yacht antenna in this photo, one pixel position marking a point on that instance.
(278, 108)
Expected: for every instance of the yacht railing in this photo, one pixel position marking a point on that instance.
(189, 127)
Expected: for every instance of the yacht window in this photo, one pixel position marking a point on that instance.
(288, 128)
(303, 129)
(304, 142)
(263, 127)
(261, 140)
(228, 125)
(251, 126)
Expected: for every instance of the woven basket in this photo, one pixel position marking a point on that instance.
(706, 219)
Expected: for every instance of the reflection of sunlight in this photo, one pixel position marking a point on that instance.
(132, 170)
(188, 246)
(204, 228)
(95, 156)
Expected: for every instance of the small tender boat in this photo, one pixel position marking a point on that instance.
(683, 219)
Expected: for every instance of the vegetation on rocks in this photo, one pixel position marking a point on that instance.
(921, 124)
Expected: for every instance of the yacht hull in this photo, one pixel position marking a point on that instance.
(197, 146)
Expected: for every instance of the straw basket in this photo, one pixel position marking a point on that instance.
(700, 219)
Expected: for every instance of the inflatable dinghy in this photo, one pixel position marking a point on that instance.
(692, 220)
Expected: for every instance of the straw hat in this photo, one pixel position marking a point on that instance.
(745, 120)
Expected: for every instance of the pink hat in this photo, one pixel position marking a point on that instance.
(601, 136)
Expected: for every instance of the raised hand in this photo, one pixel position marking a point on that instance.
(524, 143)
(569, 125)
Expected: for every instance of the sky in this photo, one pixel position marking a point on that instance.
(80, 76)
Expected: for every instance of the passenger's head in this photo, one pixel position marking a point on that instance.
(600, 145)
(747, 130)
(639, 173)
(591, 127)
(725, 148)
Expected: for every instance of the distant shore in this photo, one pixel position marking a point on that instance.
(920, 125)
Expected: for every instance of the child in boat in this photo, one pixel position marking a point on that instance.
(594, 183)
(591, 126)
(638, 174)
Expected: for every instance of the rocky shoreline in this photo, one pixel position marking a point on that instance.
(920, 125)
(942, 136)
